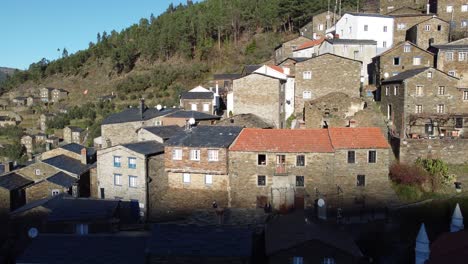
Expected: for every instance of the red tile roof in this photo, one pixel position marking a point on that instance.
(283, 140)
(308, 140)
(276, 68)
(310, 44)
(357, 138)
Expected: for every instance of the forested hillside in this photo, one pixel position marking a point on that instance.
(161, 56)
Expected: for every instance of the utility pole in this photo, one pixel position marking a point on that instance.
(357, 8)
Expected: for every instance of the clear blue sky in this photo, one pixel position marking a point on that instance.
(35, 29)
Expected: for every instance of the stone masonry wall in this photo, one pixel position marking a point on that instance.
(449, 150)
(438, 33)
(113, 132)
(459, 67)
(287, 48)
(387, 6)
(193, 166)
(42, 190)
(187, 104)
(399, 33)
(440, 7)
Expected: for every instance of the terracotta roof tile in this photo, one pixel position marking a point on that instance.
(311, 43)
(283, 140)
(357, 138)
(276, 68)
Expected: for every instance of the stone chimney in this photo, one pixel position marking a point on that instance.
(84, 156)
(457, 220)
(422, 250)
(8, 166)
(142, 107)
(428, 8)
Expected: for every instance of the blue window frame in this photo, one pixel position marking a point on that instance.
(117, 161)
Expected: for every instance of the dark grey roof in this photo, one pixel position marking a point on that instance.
(13, 181)
(352, 41)
(61, 90)
(76, 148)
(245, 120)
(48, 203)
(146, 147)
(133, 114)
(62, 179)
(248, 69)
(192, 114)
(164, 132)
(67, 164)
(226, 76)
(82, 209)
(75, 129)
(405, 75)
(206, 136)
(200, 241)
(90, 249)
(369, 15)
(2, 168)
(197, 95)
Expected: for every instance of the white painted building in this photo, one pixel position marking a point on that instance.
(367, 26)
(308, 49)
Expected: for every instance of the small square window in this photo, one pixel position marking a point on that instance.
(372, 156)
(307, 95)
(208, 179)
(417, 61)
(213, 155)
(452, 73)
(366, 28)
(465, 95)
(351, 156)
(206, 107)
(396, 61)
(458, 122)
(361, 180)
(464, 8)
(407, 48)
(419, 109)
(449, 56)
(449, 9)
(261, 180)
(132, 181)
(194, 107)
(186, 178)
(462, 56)
(307, 75)
(55, 192)
(299, 181)
(440, 109)
(117, 162)
(387, 90)
(261, 160)
(385, 29)
(118, 179)
(132, 163)
(37, 172)
(429, 75)
(300, 160)
(427, 27)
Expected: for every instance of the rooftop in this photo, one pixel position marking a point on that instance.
(75, 129)
(245, 120)
(369, 15)
(352, 41)
(405, 75)
(310, 44)
(76, 148)
(12, 181)
(197, 95)
(459, 44)
(67, 164)
(206, 136)
(226, 76)
(82, 209)
(358, 138)
(62, 179)
(164, 132)
(187, 114)
(146, 147)
(133, 115)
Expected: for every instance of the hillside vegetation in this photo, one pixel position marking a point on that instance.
(161, 56)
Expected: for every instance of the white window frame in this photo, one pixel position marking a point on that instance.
(387, 90)
(449, 56)
(213, 155)
(55, 192)
(194, 107)
(195, 154)
(418, 109)
(208, 179)
(396, 90)
(441, 109)
(462, 56)
(441, 90)
(132, 181)
(320, 27)
(186, 178)
(117, 179)
(366, 28)
(449, 9)
(419, 90)
(37, 172)
(132, 161)
(429, 75)
(307, 75)
(464, 8)
(307, 95)
(407, 48)
(117, 160)
(452, 73)
(417, 60)
(427, 27)
(176, 154)
(206, 107)
(465, 95)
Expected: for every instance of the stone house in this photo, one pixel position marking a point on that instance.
(12, 194)
(7, 121)
(286, 49)
(32, 101)
(73, 134)
(424, 103)
(200, 99)
(429, 32)
(355, 49)
(20, 101)
(130, 120)
(319, 25)
(158, 133)
(316, 77)
(43, 121)
(224, 81)
(367, 26)
(387, 6)
(58, 95)
(72, 150)
(29, 143)
(124, 171)
(180, 118)
(308, 49)
(403, 22)
(245, 120)
(402, 57)
(453, 11)
(58, 183)
(452, 58)
(294, 168)
(46, 94)
(262, 93)
(52, 142)
(196, 163)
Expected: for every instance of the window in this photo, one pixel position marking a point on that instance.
(385, 29)
(208, 179)
(417, 61)
(372, 156)
(387, 91)
(429, 75)
(449, 9)
(320, 27)
(37, 172)
(419, 109)
(307, 95)
(452, 73)
(396, 61)
(464, 8)
(366, 28)
(465, 95)
(177, 154)
(439, 27)
(419, 90)
(427, 27)
(261, 180)
(307, 75)
(132, 163)
(328, 261)
(117, 162)
(118, 179)
(361, 180)
(458, 122)
(401, 26)
(194, 107)
(464, 23)
(186, 178)
(407, 48)
(350, 30)
(195, 154)
(440, 109)
(299, 181)
(55, 192)
(81, 229)
(298, 260)
(351, 157)
(300, 160)
(132, 181)
(396, 90)
(441, 90)
(384, 44)
(213, 155)
(449, 56)
(206, 107)
(462, 56)
(261, 160)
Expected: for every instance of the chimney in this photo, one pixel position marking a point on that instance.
(428, 8)
(84, 156)
(8, 166)
(142, 107)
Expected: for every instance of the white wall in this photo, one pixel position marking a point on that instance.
(289, 96)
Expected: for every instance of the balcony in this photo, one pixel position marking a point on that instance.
(281, 169)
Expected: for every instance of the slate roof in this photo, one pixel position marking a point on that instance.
(358, 138)
(450, 248)
(145, 147)
(405, 75)
(133, 115)
(283, 140)
(12, 181)
(369, 15)
(62, 179)
(165, 132)
(458, 44)
(352, 41)
(75, 129)
(248, 69)
(90, 249)
(197, 95)
(76, 148)
(82, 209)
(205, 136)
(245, 120)
(67, 164)
(200, 241)
(226, 76)
(187, 114)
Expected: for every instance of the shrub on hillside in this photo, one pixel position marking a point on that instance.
(408, 174)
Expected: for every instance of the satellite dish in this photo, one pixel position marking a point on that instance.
(32, 232)
(386, 75)
(320, 202)
(159, 107)
(192, 121)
